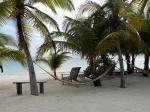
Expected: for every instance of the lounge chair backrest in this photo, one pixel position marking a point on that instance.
(101, 69)
(74, 73)
(87, 71)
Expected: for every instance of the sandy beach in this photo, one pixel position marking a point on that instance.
(86, 98)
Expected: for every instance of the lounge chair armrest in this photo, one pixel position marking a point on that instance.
(62, 76)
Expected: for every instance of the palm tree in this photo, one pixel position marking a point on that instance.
(142, 5)
(129, 50)
(145, 49)
(55, 60)
(9, 54)
(142, 24)
(116, 15)
(81, 39)
(21, 10)
(145, 34)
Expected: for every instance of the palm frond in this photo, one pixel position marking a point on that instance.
(38, 24)
(5, 10)
(52, 4)
(121, 36)
(6, 40)
(45, 47)
(54, 61)
(148, 12)
(26, 33)
(143, 5)
(45, 18)
(13, 55)
(69, 23)
(43, 60)
(89, 7)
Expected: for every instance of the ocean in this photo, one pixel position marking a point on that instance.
(14, 68)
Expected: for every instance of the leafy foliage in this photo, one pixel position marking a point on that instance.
(7, 54)
(54, 61)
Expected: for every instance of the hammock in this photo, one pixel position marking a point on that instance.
(99, 77)
(69, 83)
(77, 83)
(139, 69)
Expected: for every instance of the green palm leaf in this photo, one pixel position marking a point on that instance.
(45, 47)
(52, 4)
(13, 55)
(54, 61)
(6, 40)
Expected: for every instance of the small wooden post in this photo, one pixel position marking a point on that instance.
(41, 84)
(19, 88)
(62, 77)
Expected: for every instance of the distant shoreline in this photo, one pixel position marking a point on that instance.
(15, 68)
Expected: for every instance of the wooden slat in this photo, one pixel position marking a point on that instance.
(28, 82)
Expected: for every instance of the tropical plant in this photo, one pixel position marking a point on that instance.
(55, 60)
(142, 23)
(145, 49)
(9, 54)
(81, 39)
(23, 12)
(119, 29)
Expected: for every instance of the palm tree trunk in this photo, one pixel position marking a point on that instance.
(121, 66)
(146, 64)
(55, 74)
(54, 47)
(133, 63)
(1, 67)
(55, 51)
(33, 84)
(127, 56)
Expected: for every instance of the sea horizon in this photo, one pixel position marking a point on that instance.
(14, 68)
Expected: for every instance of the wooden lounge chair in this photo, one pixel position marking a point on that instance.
(99, 71)
(72, 76)
(87, 72)
(76, 84)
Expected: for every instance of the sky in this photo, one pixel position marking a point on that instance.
(37, 39)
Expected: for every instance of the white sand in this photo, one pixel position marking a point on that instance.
(59, 98)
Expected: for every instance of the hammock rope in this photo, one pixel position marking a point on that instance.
(77, 82)
(137, 68)
(69, 83)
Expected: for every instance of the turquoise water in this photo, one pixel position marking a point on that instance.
(13, 68)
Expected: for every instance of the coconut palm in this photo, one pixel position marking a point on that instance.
(23, 12)
(142, 5)
(145, 49)
(142, 23)
(81, 39)
(129, 50)
(55, 60)
(117, 16)
(145, 35)
(9, 54)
